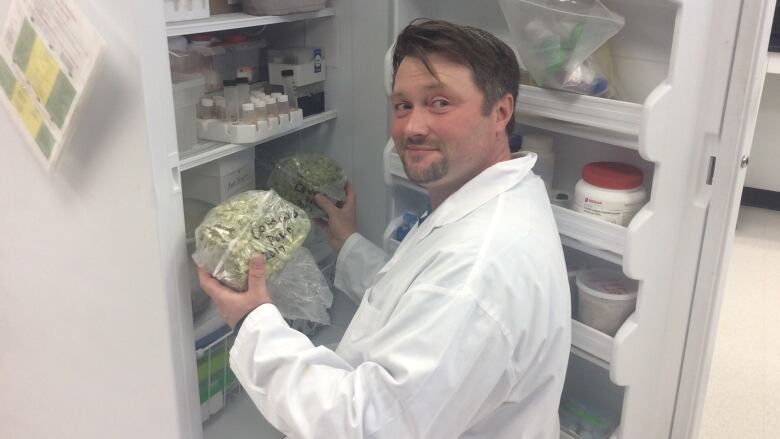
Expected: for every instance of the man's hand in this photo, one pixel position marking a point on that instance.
(341, 220)
(232, 305)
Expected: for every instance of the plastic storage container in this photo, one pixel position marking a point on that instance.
(307, 64)
(187, 91)
(280, 7)
(217, 181)
(610, 191)
(180, 10)
(605, 298)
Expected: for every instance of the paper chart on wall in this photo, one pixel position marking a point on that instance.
(48, 53)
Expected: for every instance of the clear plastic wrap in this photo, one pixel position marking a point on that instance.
(555, 38)
(300, 290)
(300, 177)
(249, 224)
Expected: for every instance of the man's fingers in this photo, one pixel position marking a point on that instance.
(210, 285)
(350, 200)
(325, 204)
(257, 274)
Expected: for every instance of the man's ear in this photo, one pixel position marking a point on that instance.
(503, 110)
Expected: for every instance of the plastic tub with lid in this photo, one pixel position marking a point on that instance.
(610, 191)
(605, 298)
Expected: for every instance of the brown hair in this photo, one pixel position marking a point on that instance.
(493, 64)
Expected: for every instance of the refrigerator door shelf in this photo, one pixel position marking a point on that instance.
(207, 151)
(590, 344)
(617, 120)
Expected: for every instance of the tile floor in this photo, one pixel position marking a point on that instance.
(743, 399)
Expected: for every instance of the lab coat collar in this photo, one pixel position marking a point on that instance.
(487, 185)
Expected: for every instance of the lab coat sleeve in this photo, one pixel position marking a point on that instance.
(358, 262)
(424, 374)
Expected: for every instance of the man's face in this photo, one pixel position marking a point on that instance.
(439, 129)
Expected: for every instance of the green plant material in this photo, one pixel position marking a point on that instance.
(300, 177)
(249, 224)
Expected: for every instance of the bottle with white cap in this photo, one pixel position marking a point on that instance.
(248, 113)
(283, 105)
(542, 146)
(206, 108)
(260, 111)
(220, 112)
(271, 108)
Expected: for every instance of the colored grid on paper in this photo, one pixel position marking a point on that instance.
(50, 84)
(7, 79)
(25, 107)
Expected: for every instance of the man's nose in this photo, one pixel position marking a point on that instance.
(417, 124)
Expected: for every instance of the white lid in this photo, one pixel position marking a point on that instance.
(282, 98)
(177, 43)
(256, 93)
(270, 101)
(276, 94)
(247, 106)
(207, 102)
(539, 143)
(260, 103)
(606, 283)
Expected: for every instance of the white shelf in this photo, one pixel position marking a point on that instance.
(773, 63)
(590, 344)
(238, 20)
(596, 237)
(605, 120)
(207, 151)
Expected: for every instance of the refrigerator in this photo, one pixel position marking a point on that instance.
(97, 329)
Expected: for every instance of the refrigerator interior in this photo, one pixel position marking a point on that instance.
(633, 130)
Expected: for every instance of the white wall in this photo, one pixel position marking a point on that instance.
(83, 311)
(763, 172)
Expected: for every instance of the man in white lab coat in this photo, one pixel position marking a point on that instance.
(465, 331)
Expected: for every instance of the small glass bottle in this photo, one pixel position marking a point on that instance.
(220, 112)
(260, 110)
(288, 79)
(206, 108)
(242, 87)
(282, 105)
(271, 108)
(248, 113)
(231, 99)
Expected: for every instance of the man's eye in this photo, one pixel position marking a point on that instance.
(402, 106)
(440, 103)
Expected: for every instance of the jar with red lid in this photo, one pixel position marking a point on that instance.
(610, 191)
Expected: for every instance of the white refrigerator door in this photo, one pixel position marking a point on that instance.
(88, 290)
(732, 147)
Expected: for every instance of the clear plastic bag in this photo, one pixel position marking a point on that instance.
(246, 225)
(555, 38)
(300, 291)
(300, 177)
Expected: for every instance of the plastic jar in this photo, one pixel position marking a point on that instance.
(610, 191)
(605, 298)
(248, 113)
(542, 145)
(283, 106)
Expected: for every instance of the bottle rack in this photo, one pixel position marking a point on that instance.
(228, 132)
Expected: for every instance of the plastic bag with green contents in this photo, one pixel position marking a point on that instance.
(300, 177)
(246, 225)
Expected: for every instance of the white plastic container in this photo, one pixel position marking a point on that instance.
(605, 298)
(610, 191)
(542, 145)
(187, 91)
(180, 10)
(217, 181)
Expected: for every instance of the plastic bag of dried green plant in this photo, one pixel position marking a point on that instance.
(300, 177)
(246, 225)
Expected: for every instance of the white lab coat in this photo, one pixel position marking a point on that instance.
(463, 333)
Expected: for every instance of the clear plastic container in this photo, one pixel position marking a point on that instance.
(260, 109)
(242, 88)
(610, 191)
(220, 112)
(605, 298)
(283, 106)
(206, 108)
(231, 99)
(248, 113)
